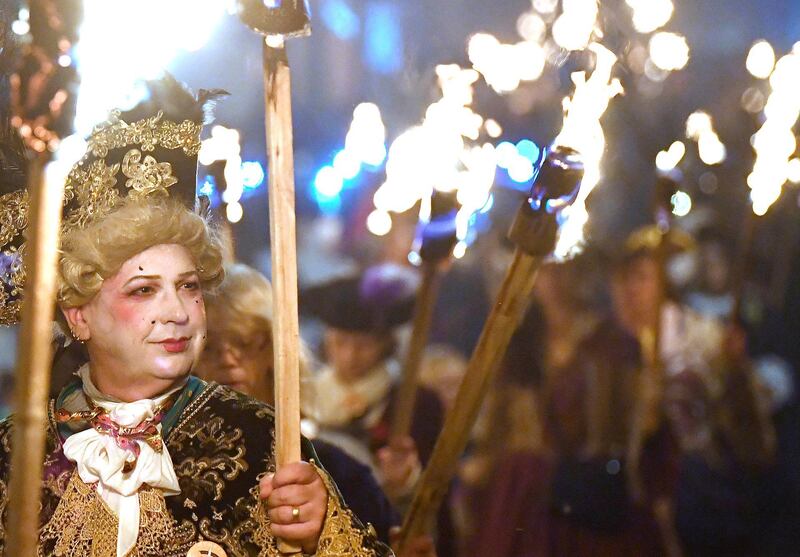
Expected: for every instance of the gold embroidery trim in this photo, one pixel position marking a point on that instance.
(148, 177)
(341, 535)
(14, 209)
(83, 525)
(116, 133)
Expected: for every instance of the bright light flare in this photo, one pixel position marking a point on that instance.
(531, 27)
(118, 47)
(379, 222)
(700, 127)
(669, 51)
(224, 145)
(794, 171)
(366, 139)
(583, 132)
(669, 159)
(575, 26)
(761, 60)
(650, 15)
(775, 142)
(441, 153)
(505, 66)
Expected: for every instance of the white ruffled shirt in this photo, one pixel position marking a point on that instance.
(100, 460)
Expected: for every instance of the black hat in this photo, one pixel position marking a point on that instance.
(376, 301)
(150, 150)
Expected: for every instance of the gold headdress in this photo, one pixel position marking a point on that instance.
(150, 150)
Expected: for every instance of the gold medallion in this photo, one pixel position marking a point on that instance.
(206, 549)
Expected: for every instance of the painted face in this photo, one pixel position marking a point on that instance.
(353, 354)
(242, 364)
(146, 327)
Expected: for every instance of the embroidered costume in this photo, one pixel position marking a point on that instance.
(151, 477)
(220, 445)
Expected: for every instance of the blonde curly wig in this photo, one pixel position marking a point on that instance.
(92, 254)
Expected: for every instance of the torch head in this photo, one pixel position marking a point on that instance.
(557, 180)
(288, 18)
(437, 234)
(557, 183)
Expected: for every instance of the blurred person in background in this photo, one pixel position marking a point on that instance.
(357, 387)
(702, 439)
(239, 354)
(547, 476)
(442, 370)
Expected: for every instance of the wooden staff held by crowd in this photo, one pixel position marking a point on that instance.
(534, 232)
(436, 238)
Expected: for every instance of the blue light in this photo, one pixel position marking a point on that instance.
(328, 182)
(488, 205)
(346, 164)
(383, 39)
(329, 205)
(340, 18)
(252, 174)
(208, 187)
(528, 149)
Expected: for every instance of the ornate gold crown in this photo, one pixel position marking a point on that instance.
(156, 155)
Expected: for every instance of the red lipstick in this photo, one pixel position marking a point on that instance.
(175, 345)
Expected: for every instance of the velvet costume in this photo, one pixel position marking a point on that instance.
(221, 444)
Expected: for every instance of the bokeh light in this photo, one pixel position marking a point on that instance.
(669, 51)
(760, 60)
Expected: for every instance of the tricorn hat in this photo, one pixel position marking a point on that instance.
(377, 300)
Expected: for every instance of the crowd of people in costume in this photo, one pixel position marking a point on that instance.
(632, 413)
(585, 445)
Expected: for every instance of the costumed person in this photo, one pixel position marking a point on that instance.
(239, 354)
(688, 339)
(704, 438)
(547, 476)
(142, 457)
(357, 389)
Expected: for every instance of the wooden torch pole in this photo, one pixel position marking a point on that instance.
(286, 327)
(34, 361)
(421, 326)
(534, 232)
(500, 326)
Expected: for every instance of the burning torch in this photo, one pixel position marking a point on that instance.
(534, 232)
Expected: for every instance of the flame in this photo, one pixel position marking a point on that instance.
(113, 54)
(583, 132)
(775, 142)
(440, 153)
